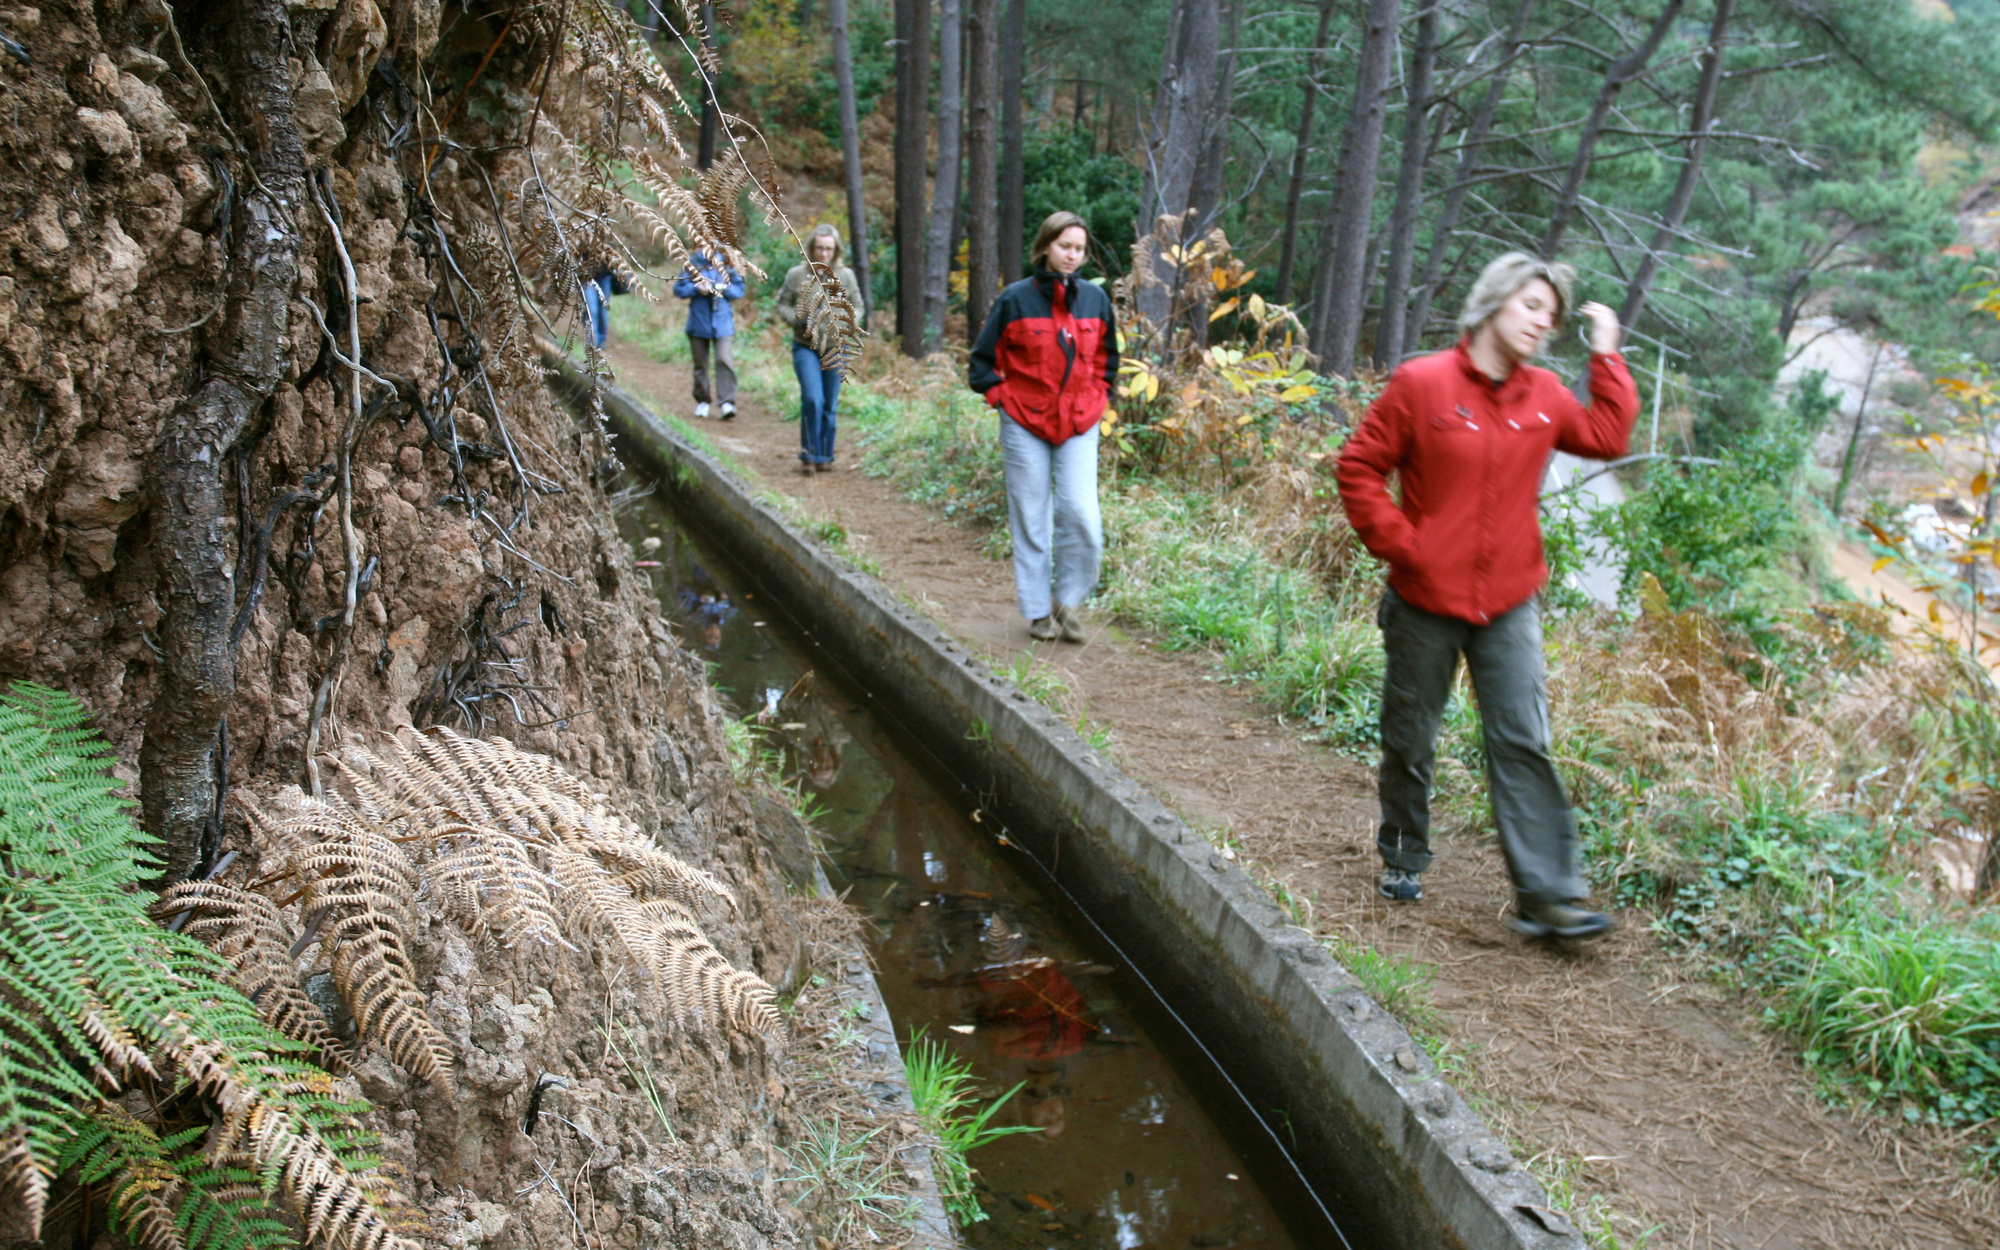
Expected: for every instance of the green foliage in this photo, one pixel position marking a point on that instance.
(96, 999)
(1906, 1006)
(946, 1097)
(1062, 173)
(1402, 984)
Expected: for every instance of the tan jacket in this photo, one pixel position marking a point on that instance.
(789, 295)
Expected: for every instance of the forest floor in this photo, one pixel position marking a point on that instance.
(1646, 1096)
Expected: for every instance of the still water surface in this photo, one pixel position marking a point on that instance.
(973, 955)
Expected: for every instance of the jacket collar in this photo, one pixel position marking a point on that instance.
(1048, 280)
(1515, 385)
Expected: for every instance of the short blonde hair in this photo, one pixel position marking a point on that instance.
(1505, 276)
(824, 231)
(1052, 227)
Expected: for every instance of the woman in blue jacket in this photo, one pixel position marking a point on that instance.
(710, 286)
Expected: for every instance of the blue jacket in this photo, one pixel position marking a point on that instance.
(709, 316)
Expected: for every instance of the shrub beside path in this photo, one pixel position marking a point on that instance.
(1646, 1097)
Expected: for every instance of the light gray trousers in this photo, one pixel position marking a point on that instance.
(1052, 512)
(1537, 829)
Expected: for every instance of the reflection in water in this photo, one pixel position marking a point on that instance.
(975, 957)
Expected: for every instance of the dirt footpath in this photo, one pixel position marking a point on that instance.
(1647, 1090)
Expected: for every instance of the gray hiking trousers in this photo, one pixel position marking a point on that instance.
(1537, 829)
(723, 350)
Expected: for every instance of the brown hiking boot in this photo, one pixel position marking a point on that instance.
(1561, 920)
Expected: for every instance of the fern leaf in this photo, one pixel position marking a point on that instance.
(247, 929)
(60, 814)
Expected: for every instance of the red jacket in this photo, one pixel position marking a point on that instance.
(1048, 355)
(1470, 454)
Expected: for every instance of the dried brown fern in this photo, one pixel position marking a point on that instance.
(251, 932)
(509, 846)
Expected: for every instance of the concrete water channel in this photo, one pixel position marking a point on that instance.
(1212, 1076)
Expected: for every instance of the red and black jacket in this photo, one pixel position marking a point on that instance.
(1048, 355)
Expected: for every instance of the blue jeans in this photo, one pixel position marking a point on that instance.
(1052, 513)
(597, 303)
(819, 405)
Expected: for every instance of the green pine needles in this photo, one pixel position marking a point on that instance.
(126, 1057)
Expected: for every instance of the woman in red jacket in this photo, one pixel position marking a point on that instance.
(1046, 359)
(1468, 433)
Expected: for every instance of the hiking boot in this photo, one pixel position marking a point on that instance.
(701, 409)
(728, 410)
(1070, 622)
(1561, 920)
(1400, 885)
(1043, 628)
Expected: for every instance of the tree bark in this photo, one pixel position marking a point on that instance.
(1295, 193)
(1341, 286)
(1205, 196)
(1468, 159)
(1402, 247)
(1621, 72)
(982, 155)
(191, 502)
(850, 153)
(1013, 37)
(941, 246)
(1179, 132)
(913, 63)
(1697, 145)
(704, 147)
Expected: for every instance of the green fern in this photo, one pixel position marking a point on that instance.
(96, 1001)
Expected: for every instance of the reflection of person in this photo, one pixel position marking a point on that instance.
(1046, 359)
(709, 285)
(597, 292)
(819, 386)
(707, 605)
(1468, 432)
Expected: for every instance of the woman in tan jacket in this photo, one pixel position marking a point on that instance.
(819, 386)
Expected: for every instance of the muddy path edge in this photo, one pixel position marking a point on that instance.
(1383, 1140)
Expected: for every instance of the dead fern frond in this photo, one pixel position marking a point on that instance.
(251, 932)
(511, 848)
(833, 323)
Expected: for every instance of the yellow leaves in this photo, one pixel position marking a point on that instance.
(1882, 563)
(1980, 482)
(1293, 394)
(1223, 309)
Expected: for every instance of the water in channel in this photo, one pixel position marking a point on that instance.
(973, 955)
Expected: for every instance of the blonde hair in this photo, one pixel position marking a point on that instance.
(1505, 276)
(824, 231)
(1052, 227)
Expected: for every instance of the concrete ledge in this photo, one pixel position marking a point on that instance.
(1388, 1146)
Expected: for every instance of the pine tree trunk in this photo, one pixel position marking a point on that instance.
(1621, 72)
(913, 65)
(1295, 194)
(1697, 144)
(942, 245)
(982, 154)
(1206, 195)
(1402, 247)
(1468, 160)
(850, 153)
(1013, 53)
(1341, 288)
(1178, 133)
(704, 147)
